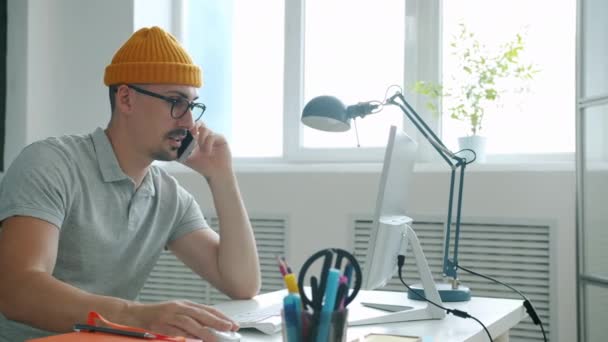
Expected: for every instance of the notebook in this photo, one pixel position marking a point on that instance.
(265, 319)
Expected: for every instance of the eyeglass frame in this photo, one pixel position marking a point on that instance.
(173, 102)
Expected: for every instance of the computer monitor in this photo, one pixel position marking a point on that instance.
(391, 210)
(392, 234)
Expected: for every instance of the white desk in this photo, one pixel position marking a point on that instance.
(498, 315)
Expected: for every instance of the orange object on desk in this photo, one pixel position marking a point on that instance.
(95, 337)
(85, 333)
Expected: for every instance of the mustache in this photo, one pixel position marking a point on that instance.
(178, 133)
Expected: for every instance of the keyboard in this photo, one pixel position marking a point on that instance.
(266, 319)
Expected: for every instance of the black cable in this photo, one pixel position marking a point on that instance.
(471, 151)
(455, 312)
(399, 90)
(527, 303)
(484, 327)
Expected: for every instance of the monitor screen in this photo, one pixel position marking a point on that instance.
(390, 217)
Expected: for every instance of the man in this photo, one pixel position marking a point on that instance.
(84, 218)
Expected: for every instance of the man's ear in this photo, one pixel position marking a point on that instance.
(124, 99)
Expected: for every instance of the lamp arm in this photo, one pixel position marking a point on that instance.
(450, 267)
(420, 124)
(458, 212)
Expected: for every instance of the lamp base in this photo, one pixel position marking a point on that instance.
(446, 292)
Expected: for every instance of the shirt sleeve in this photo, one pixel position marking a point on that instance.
(192, 218)
(35, 186)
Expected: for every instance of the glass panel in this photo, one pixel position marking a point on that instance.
(595, 215)
(354, 50)
(595, 48)
(239, 45)
(596, 312)
(517, 122)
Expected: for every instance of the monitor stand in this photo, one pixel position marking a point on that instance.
(408, 313)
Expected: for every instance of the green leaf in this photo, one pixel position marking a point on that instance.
(478, 77)
(491, 94)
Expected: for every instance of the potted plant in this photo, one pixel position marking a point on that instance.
(479, 80)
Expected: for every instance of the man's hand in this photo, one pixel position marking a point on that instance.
(229, 261)
(179, 318)
(211, 157)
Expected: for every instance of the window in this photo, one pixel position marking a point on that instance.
(263, 61)
(239, 45)
(540, 121)
(353, 50)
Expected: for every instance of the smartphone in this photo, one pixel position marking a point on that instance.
(186, 148)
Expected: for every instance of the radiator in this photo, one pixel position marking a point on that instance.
(171, 279)
(515, 253)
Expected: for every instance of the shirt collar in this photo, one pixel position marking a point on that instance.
(109, 167)
(108, 164)
(147, 185)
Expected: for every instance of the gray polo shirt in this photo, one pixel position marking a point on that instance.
(111, 234)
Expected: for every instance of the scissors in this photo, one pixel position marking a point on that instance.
(318, 285)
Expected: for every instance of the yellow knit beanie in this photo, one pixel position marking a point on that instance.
(152, 55)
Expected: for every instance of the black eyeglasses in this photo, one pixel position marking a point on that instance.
(179, 106)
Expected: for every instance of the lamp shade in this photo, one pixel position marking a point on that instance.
(326, 113)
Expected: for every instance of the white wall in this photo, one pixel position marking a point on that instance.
(57, 53)
(16, 79)
(58, 50)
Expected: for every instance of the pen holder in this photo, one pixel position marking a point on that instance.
(321, 327)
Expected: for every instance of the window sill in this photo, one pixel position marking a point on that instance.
(419, 167)
(376, 167)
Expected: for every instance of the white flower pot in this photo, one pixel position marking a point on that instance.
(476, 143)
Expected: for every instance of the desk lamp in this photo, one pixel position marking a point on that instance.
(327, 113)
